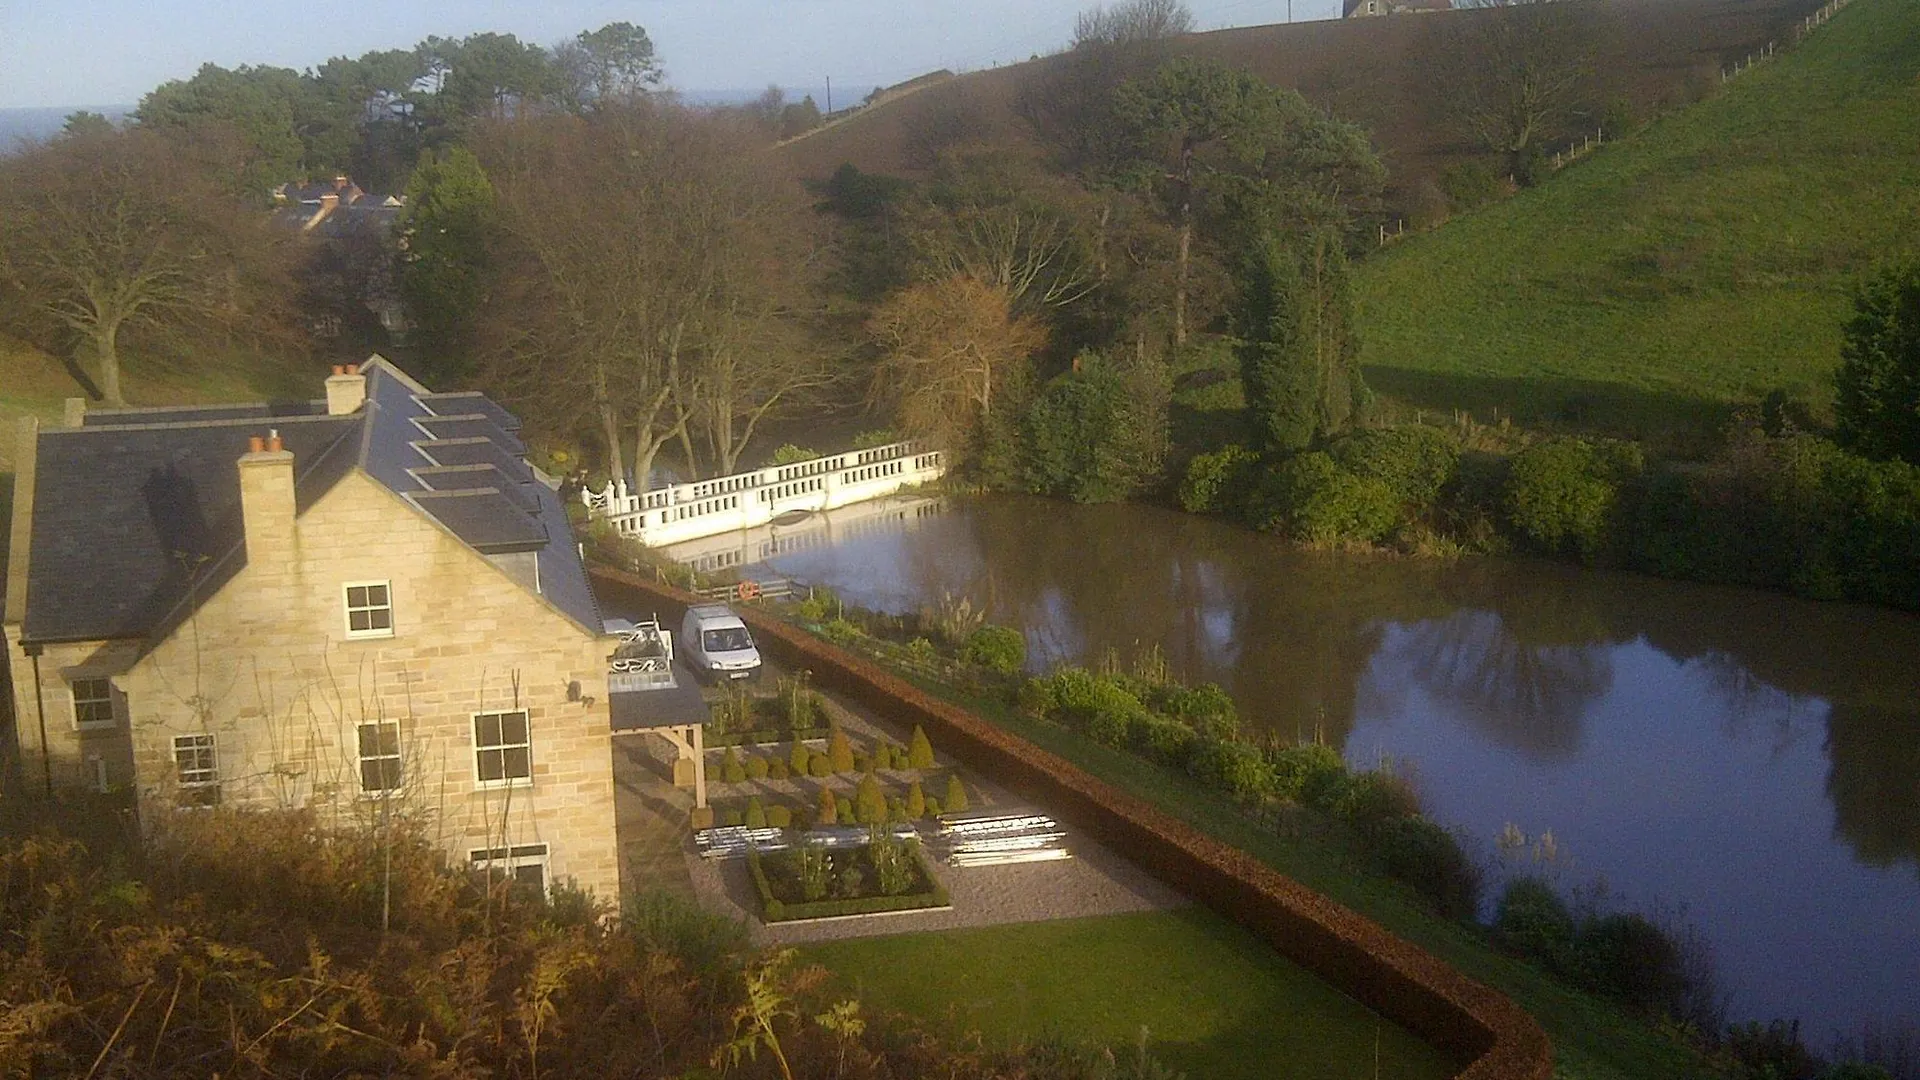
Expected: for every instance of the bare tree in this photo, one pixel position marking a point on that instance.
(638, 251)
(1511, 72)
(993, 217)
(106, 232)
(1132, 21)
(945, 347)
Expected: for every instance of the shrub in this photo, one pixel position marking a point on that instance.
(1532, 919)
(922, 652)
(1415, 462)
(1375, 799)
(757, 768)
(916, 801)
(818, 764)
(1299, 768)
(862, 763)
(814, 868)
(730, 768)
(798, 758)
(1166, 740)
(1877, 401)
(1234, 767)
(1625, 956)
(828, 812)
(869, 805)
(779, 770)
(1316, 502)
(1430, 860)
(1095, 434)
(756, 817)
(731, 817)
(956, 800)
(789, 454)
(996, 648)
(1472, 184)
(841, 631)
(779, 817)
(1562, 494)
(1205, 705)
(839, 750)
(933, 807)
(1214, 483)
(846, 810)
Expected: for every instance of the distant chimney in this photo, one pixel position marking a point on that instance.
(328, 204)
(76, 412)
(266, 501)
(346, 390)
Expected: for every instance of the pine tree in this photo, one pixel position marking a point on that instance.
(869, 805)
(919, 751)
(956, 800)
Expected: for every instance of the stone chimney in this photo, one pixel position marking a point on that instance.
(266, 500)
(76, 415)
(328, 204)
(346, 390)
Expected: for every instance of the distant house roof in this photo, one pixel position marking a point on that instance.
(1393, 7)
(335, 209)
(137, 512)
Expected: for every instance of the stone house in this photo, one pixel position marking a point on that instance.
(352, 604)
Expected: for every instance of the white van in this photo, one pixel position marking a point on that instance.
(715, 642)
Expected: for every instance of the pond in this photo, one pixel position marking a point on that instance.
(1746, 761)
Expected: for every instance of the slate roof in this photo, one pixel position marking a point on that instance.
(126, 506)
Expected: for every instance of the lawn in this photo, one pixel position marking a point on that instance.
(1215, 1001)
(1704, 261)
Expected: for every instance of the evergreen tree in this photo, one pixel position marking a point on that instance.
(1877, 401)
(1298, 355)
(450, 217)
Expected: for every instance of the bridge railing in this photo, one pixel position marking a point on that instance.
(745, 500)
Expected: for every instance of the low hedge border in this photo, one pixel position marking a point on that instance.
(773, 910)
(767, 739)
(1399, 980)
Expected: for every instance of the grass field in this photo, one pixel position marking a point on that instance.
(1702, 262)
(1215, 1001)
(1593, 1040)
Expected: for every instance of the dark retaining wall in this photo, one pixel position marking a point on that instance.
(1399, 980)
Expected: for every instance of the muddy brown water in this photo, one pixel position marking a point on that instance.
(1746, 762)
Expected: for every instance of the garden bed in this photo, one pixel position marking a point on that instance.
(852, 883)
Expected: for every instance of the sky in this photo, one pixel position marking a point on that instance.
(111, 52)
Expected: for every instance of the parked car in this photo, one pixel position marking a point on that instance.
(717, 643)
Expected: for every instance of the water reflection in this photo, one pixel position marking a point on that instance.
(1751, 756)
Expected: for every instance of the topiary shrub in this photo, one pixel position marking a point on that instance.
(730, 768)
(1430, 859)
(862, 763)
(1297, 768)
(839, 750)
(916, 801)
(933, 807)
(798, 757)
(1214, 483)
(846, 810)
(828, 812)
(869, 805)
(779, 770)
(757, 768)
(1562, 495)
(1531, 918)
(956, 800)
(756, 816)
(732, 817)
(818, 764)
(1415, 462)
(779, 817)
(1232, 766)
(897, 810)
(996, 648)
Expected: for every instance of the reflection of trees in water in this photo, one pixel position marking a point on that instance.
(1751, 707)
(1873, 778)
(1528, 696)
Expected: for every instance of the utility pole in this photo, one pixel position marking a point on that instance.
(830, 88)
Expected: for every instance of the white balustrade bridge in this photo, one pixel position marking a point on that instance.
(747, 500)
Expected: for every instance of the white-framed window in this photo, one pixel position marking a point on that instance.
(196, 769)
(92, 703)
(369, 609)
(502, 748)
(379, 757)
(525, 865)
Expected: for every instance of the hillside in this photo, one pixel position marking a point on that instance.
(1660, 53)
(1704, 261)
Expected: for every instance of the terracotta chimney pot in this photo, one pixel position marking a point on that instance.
(256, 444)
(274, 445)
(339, 369)
(353, 369)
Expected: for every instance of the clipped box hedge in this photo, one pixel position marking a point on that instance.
(773, 909)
